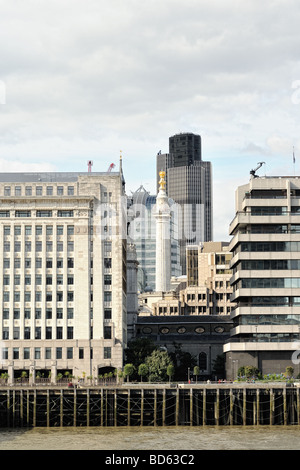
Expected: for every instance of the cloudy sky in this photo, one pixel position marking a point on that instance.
(85, 79)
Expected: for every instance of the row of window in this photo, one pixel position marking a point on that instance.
(38, 213)
(262, 264)
(269, 319)
(39, 263)
(267, 246)
(38, 313)
(49, 353)
(38, 333)
(38, 246)
(38, 229)
(38, 296)
(38, 190)
(269, 301)
(268, 283)
(182, 329)
(38, 279)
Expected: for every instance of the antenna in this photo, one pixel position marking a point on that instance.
(90, 164)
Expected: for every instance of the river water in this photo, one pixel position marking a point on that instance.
(148, 438)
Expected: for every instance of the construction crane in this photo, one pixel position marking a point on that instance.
(252, 172)
(111, 166)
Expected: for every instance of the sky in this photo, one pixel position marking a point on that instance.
(86, 80)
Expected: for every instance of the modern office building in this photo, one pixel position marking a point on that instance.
(189, 184)
(142, 233)
(63, 273)
(266, 276)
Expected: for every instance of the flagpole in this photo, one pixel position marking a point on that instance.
(294, 159)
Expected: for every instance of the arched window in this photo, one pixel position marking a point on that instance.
(202, 361)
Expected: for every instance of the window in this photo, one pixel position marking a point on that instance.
(48, 353)
(28, 191)
(6, 263)
(38, 332)
(17, 190)
(23, 213)
(27, 332)
(107, 332)
(59, 263)
(58, 353)
(81, 353)
(70, 190)
(26, 353)
(49, 190)
(60, 190)
(60, 230)
(39, 190)
(16, 353)
(107, 353)
(107, 313)
(70, 313)
(37, 353)
(48, 332)
(7, 230)
(7, 191)
(43, 213)
(38, 262)
(59, 332)
(65, 213)
(38, 229)
(69, 353)
(70, 229)
(70, 332)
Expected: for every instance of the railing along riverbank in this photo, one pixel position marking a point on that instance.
(148, 404)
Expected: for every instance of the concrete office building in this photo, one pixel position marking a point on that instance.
(266, 281)
(63, 273)
(189, 184)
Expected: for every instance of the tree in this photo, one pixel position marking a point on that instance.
(128, 370)
(158, 363)
(289, 371)
(170, 371)
(219, 366)
(137, 352)
(196, 372)
(143, 371)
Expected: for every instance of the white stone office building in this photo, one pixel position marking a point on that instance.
(266, 276)
(63, 273)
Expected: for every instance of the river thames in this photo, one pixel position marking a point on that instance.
(153, 438)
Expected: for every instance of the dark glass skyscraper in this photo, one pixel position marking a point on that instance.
(189, 184)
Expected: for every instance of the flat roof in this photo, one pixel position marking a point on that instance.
(46, 177)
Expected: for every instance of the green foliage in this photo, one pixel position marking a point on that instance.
(158, 363)
(143, 370)
(128, 370)
(138, 350)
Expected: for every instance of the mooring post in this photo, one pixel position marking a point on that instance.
(21, 408)
(298, 406)
(191, 407)
(61, 408)
(128, 407)
(155, 407)
(115, 407)
(75, 407)
(258, 406)
(34, 408)
(164, 406)
(101, 407)
(7, 408)
(142, 406)
(204, 407)
(271, 406)
(177, 407)
(14, 407)
(284, 407)
(231, 407)
(48, 407)
(88, 407)
(244, 407)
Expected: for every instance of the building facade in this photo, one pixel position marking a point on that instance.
(266, 276)
(189, 184)
(63, 273)
(142, 233)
